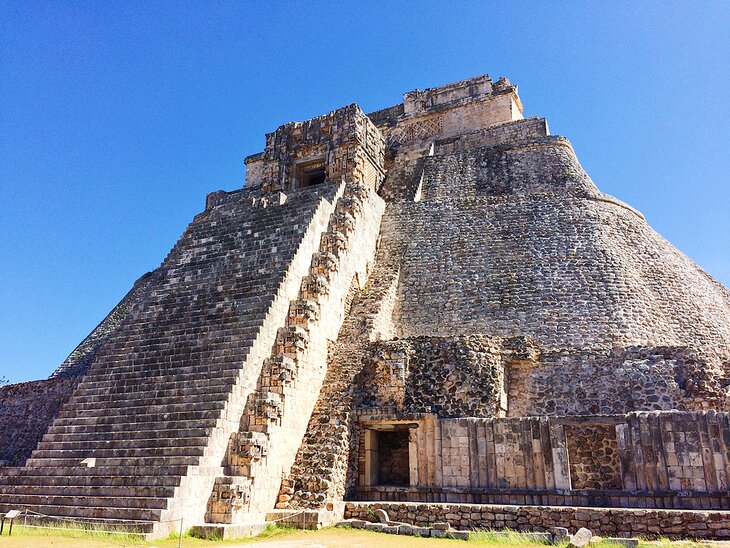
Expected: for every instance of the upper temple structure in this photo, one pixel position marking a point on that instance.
(429, 309)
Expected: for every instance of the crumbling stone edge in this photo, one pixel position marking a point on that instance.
(556, 535)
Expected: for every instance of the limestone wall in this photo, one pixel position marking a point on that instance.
(451, 377)
(453, 121)
(662, 454)
(518, 241)
(616, 381)
(503, 133)
(448, 110)
(26, 411)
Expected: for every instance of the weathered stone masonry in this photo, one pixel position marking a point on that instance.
(431, 308)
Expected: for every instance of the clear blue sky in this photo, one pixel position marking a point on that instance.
(116, 118)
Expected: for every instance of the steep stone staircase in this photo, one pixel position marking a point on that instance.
(278, 412)
(146, 430)
(318, 475)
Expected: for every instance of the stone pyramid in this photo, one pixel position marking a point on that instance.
(432, 303)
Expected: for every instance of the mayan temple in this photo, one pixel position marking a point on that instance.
(431, 310)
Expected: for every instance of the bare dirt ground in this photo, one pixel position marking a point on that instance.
(327, 538)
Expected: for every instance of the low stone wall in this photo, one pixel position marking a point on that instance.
(614, 522)
(26, 411)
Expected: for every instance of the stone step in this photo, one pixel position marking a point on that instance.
(124, 437)
(82, 406)
(185, 451)
(116, 428)
(141, 418)
(124, 442)
(122, 462)
(78, 480)
(177, 373)
(234, 317)
(116, 491)
(149, 503)
(115, 409)
(77, 470)
(137, 350)
(120, 515)
(90, 391)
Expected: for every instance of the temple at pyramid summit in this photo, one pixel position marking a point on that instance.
(431, 310)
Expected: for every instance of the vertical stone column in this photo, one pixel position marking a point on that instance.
(413, 455)
(535, 447)
(626, 457)
(429, 452)
(481, 442)
(439, 461)
(474, 479)
(719, 449)
(491, 453)
(660, 458)
(638, 451)
(707, 452)
(524, 427)
(561, 463)
(371, 457)
(547, 452)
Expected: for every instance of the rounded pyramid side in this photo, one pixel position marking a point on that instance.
(517, 240)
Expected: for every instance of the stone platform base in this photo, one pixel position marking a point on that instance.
(308, 519)
(606, 522)
(227, 530)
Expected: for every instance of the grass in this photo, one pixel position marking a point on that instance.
(69, 529)
(73, 536)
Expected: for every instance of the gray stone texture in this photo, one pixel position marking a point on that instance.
(613, 522)
(26, 411)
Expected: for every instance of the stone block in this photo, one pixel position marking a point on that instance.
(381, 515)
(581, 538)
(626, 542)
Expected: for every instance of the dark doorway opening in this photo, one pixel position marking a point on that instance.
(312, 173)
(393, 466)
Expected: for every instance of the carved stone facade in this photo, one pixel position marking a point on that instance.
(341, 145)
(433, 304)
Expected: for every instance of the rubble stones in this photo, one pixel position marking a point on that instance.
(381, 515)
(581, 538)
